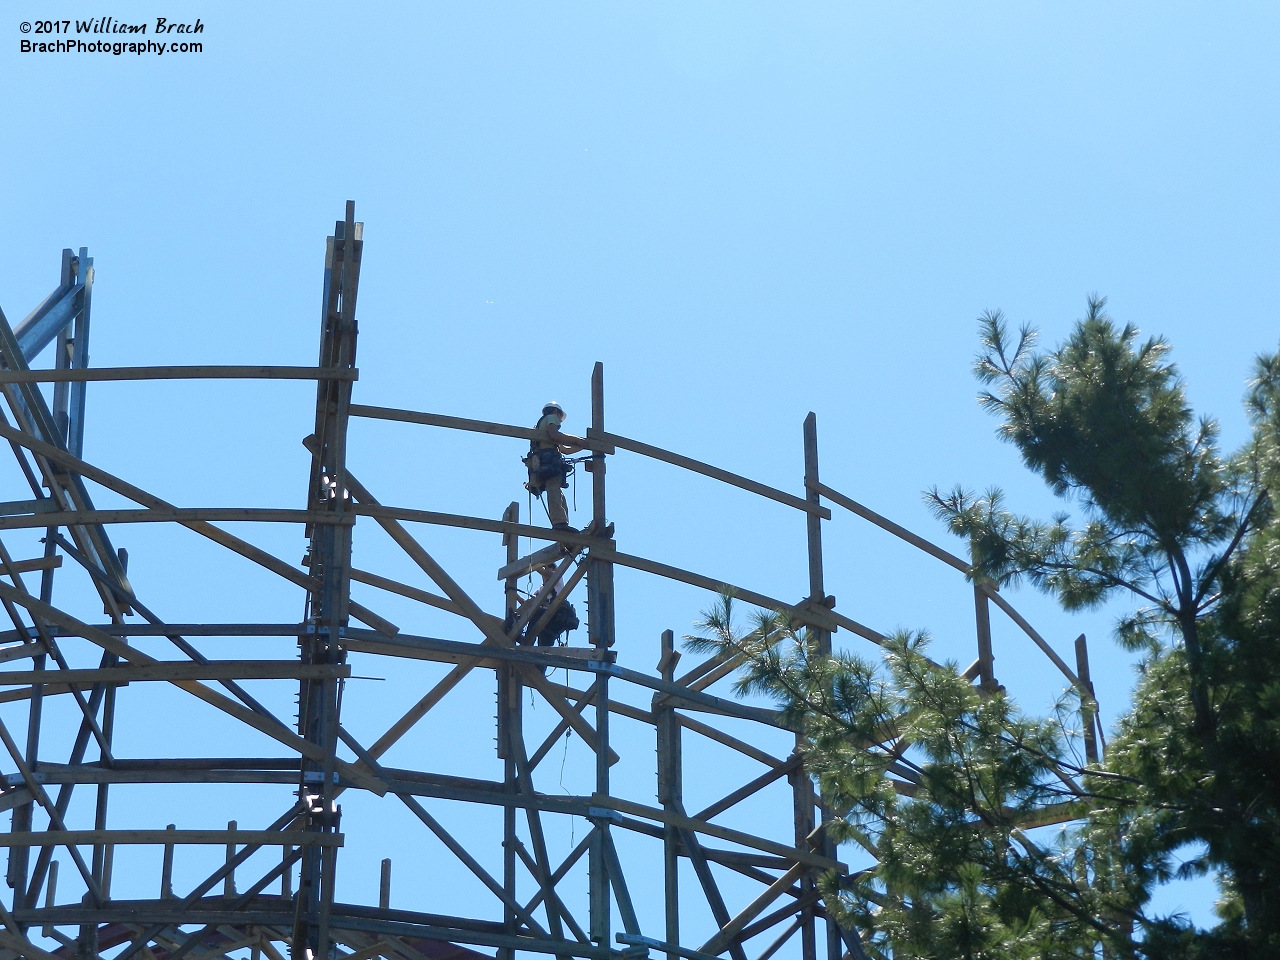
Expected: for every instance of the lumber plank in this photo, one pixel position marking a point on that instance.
(277, 838)
(462, 423)
(216, 670)
(76, 518)
(88, 374)
(380, 512)
(707, 470)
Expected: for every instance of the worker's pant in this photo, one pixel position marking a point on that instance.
(557, 507)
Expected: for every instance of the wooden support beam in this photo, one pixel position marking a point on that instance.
(804, 901)
(525, 565)
(755, 786)
(162, 671)
(379, 512)
(670, 793)
(715, 473)
(80, 518)
(885, 523)
(729, 932)
(160, 838)
(572, 658)
(459, 423)
(413, 593)
(39, 563)
(96, 374)
(167, 629)
(1088, 702)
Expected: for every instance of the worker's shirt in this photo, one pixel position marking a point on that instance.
(546, 425)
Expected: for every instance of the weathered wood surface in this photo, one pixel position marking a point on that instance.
(707, 470)
(277, 838)
(460, 423)
(68, 518)
(94, 374)
(216, 670)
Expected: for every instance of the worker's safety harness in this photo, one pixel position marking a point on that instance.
(546, 464)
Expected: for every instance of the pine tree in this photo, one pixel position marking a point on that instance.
(1191, 535)
(945, 784)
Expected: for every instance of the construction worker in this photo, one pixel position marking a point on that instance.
(547, 467)
(563, 620)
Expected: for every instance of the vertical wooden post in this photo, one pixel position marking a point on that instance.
(286, 875)
(100, 814)
(384, 886)
(229, 881)
(329, 603)
(509, 727)
(63, 356)
(87, 941)
(107, 868)
(80, 355)
(670, 793)
(19, 857)
(982, 619)
(600, 631)
(800, 782)
(1088, 711)
(51, 895)
(166, 870)
(986, 659)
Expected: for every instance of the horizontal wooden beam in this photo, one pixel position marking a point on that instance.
(39, 563)
(216, 670)
(77, 518)
(456, 651)
(77, 838)
(379, 512)
(91, 774)
(87, 374)
(24, 693)
(539, 558)
(460, 423)
(173, 630)
(715, 473)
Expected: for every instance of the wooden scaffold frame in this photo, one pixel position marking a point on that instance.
(292, 903)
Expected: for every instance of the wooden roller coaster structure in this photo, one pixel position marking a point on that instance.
(291, 855)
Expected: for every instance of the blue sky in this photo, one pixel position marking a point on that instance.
(746, 211)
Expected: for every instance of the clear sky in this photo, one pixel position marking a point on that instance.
(746, 211)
